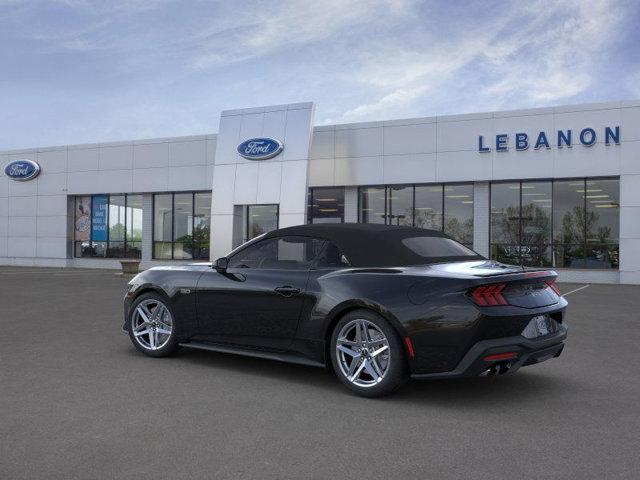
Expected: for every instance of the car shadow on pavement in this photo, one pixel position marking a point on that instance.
(249, 366)
(478, 392)
(523, 387)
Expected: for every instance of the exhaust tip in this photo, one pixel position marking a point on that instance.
(496, 369)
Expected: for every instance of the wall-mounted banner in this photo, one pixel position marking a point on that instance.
(99, 218)
(260, 148)
(83, 219)
(22, 170)
(564, 138)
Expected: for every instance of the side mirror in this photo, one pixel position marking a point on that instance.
(221, 264)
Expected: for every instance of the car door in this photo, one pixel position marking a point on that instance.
(257, 301)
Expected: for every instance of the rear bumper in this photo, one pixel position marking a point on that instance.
(529, 352)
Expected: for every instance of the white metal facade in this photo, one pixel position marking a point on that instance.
(35, 216)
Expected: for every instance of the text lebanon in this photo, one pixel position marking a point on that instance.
(564, 138)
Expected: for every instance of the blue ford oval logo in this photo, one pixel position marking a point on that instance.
(260, 148)
(22, 170)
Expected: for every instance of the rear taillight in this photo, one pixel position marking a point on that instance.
(489, 295)
(552, 285)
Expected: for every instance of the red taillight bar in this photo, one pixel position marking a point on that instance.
(489, 295)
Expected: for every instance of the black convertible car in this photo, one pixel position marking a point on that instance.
(376, 303)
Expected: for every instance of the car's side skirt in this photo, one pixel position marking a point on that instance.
(287, 357)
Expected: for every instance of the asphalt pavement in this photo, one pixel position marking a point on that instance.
(78, 401)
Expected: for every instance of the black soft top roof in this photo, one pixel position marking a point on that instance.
(366, 244)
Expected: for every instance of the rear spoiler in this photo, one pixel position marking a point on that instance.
(547, 276)
(524, 274)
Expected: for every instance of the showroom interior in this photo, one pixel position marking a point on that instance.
(554, 187)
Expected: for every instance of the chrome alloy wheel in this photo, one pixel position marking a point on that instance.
(362, 351)
(151, 324)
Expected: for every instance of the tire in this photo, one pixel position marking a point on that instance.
(378, 371)
(149, 336)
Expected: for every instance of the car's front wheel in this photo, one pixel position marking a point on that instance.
(152, 326)
(367, 354)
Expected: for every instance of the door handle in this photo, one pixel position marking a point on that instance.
(287, 290)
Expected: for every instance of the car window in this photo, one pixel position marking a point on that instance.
(436, 247)
(332, 257)
(297, 253)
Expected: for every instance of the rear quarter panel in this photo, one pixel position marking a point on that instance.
(434, 311)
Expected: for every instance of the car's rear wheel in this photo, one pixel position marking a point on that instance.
(152, 326)
(367, 354)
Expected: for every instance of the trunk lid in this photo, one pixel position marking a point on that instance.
(499, 284)
(477, 268)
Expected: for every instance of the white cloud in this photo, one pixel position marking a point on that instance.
(544, 52)
(120, 6)
(404, 76)
(555, 63)
(288, 24)
(166, 67)
(397, 98)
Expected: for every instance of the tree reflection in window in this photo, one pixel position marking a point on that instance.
(182, 225)
(569, 223)
(447, 207)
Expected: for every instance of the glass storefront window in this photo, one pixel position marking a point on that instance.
(325, 205)
(261, 219)
(565, 223)
(162, 225)
(438, 207)
(400, 210)
(134, 226)
(602, 198)
(568, 223)
(536, 222)
(428, 206)
(505, 222)
(182, 224)
(372, 205)
(108, 226)
(568, 212)
(505, 213)
(117, 219)
(201, 225)
(458, 213)
(603, 211)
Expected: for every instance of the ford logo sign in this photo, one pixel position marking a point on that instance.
(260, 148)
(22, 170)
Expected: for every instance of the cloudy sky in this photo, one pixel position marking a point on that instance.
(80, 71)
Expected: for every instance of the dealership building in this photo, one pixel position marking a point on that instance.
(555, 187)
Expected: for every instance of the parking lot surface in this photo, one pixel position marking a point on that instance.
(78, 401)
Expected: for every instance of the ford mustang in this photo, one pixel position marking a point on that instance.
(376, 304)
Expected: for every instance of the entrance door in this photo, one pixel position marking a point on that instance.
(260, 219)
